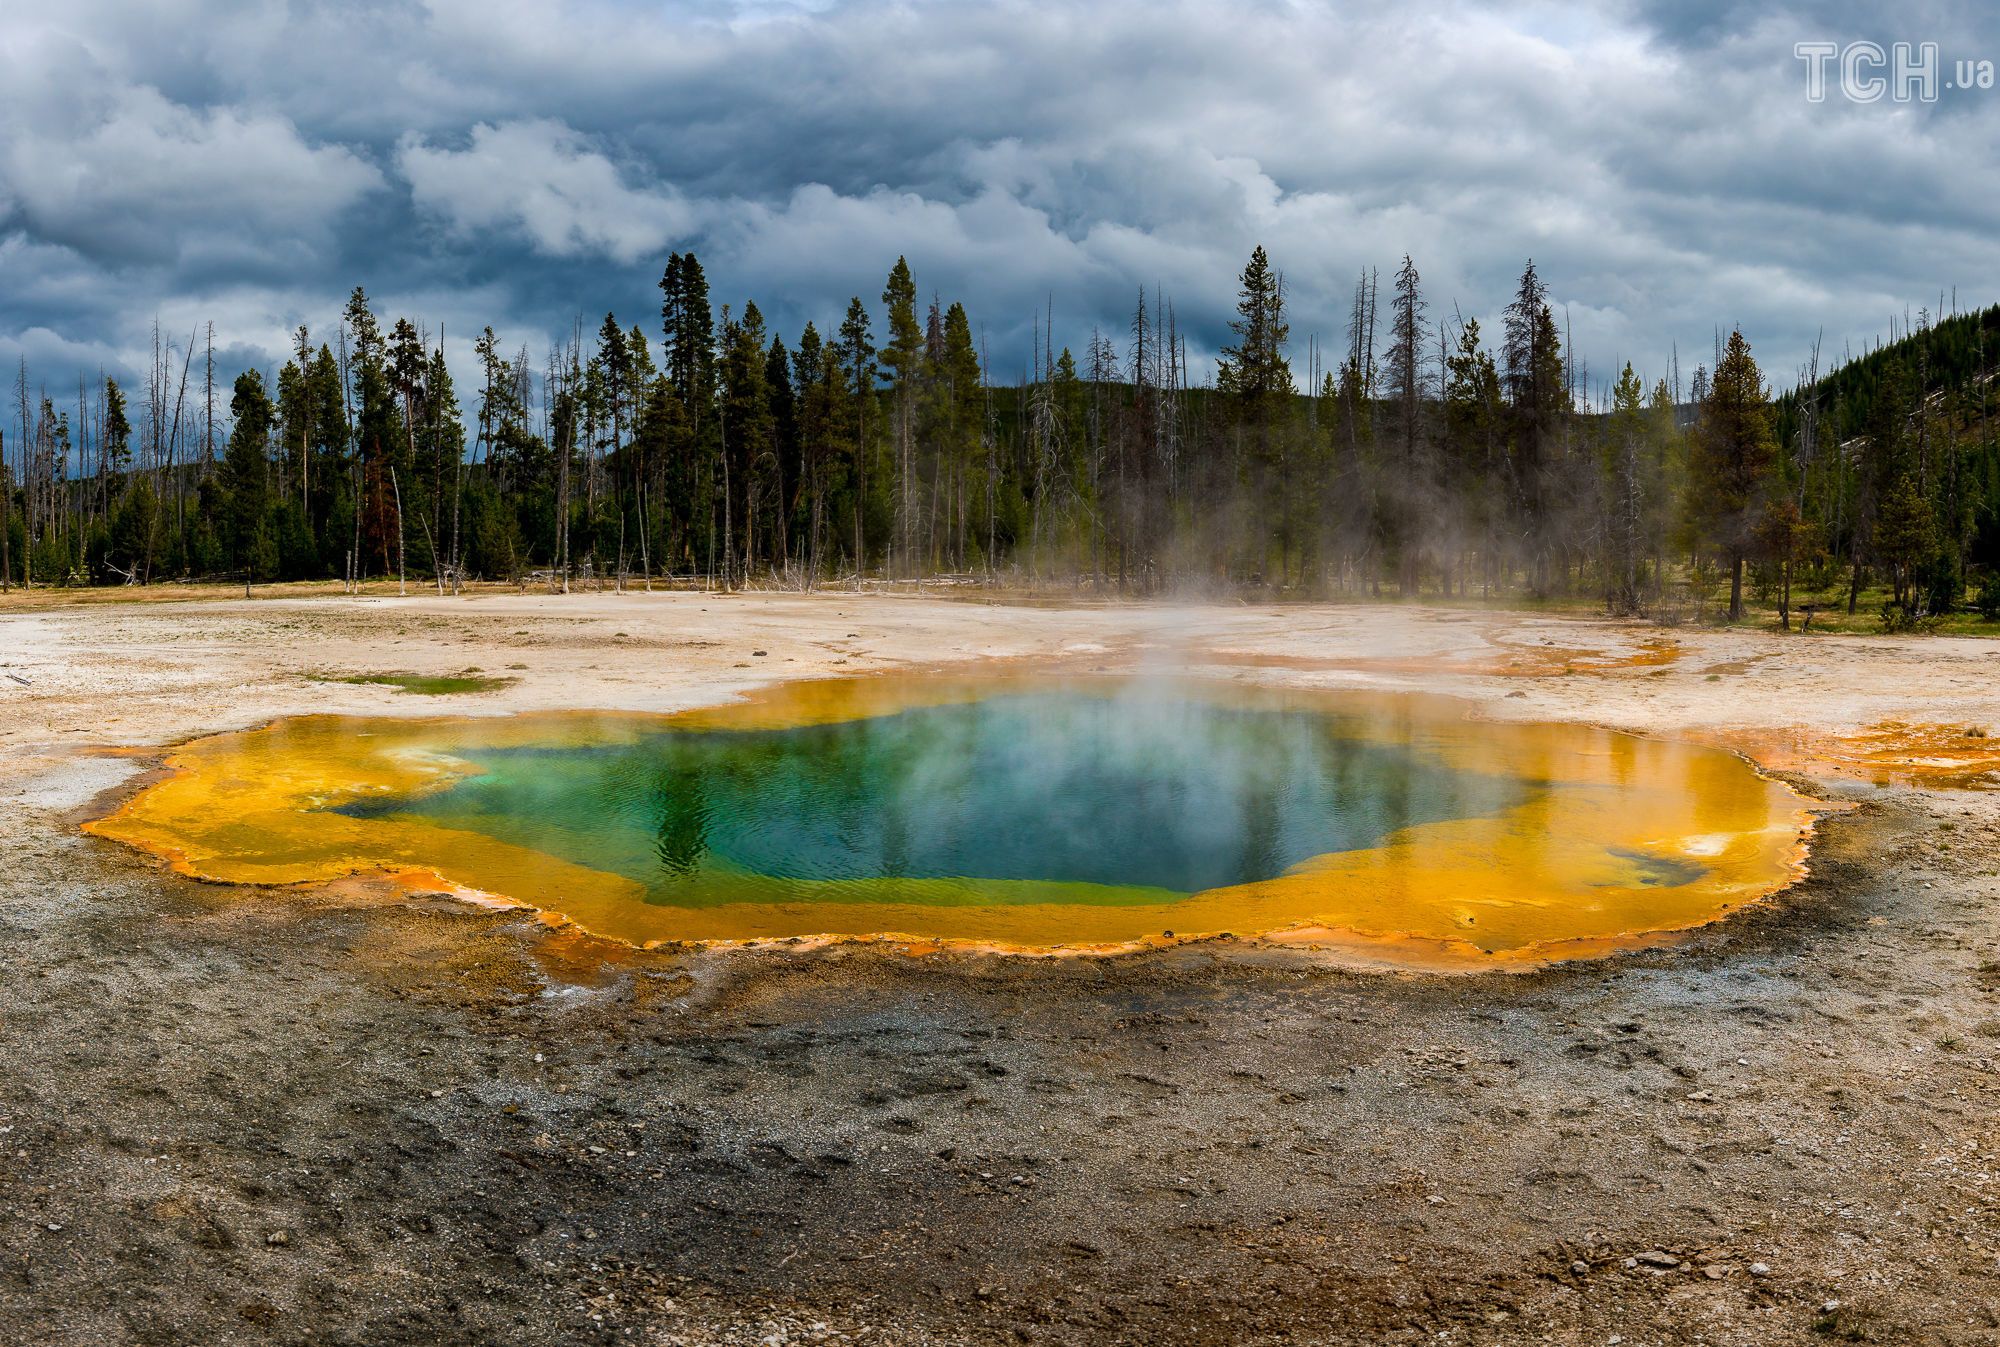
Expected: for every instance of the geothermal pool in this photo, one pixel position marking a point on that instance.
(1021, 811)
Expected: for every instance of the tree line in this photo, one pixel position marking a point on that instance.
(1421, 459)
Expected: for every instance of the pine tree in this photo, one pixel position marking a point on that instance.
(114, 456)
(1472, 416)
(822, 405)
(1905, 537)
(857, 356)
(245, 479)
(1407, 500)
(440, 453)
(1624, 484)
(1538, 398)
(747, 425)
(1735, 453)
(964, 392)
(902, 360)
(613, 360)
(1255, 369)
(1255, 374)
(785, 468)
(1408, 381)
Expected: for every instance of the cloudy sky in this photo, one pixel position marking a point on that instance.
(526, 163)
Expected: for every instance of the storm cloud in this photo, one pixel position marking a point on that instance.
(529, 165)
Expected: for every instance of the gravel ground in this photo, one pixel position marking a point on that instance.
(231, 1115)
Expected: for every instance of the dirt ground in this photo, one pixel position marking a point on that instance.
(235, 1115)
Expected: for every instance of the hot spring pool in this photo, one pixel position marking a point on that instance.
(1022, 811)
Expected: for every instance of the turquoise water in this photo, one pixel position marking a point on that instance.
(1125, 796)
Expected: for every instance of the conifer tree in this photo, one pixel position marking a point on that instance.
(1254, 369)
(784, 486)
(1624, 484)
(902, 361)
(1407, 499)
(1735, 452)
(246, 479)
(857, 356)
(1473, 430)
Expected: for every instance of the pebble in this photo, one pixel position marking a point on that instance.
(1579, 1267)
(1760, 1269)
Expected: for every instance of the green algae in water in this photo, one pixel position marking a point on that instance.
(1113, 799)
(424, 685)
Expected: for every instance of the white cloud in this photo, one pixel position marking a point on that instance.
(1662, 166)
(125, 173)
(542, 178)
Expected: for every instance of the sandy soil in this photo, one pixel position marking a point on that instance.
(235, 1115)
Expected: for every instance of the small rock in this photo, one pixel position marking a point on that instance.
(1701, 1097)
(278, 1239)
(1715, 1272)
(1657, 1258)
(1760, 1269)
(1579, 1267)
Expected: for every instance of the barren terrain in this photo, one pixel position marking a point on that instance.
(233, 1115)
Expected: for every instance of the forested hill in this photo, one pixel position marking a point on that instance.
(1948, 357)
(688, 440)
(1899, 473)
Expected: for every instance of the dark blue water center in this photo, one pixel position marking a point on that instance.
(1133, 790)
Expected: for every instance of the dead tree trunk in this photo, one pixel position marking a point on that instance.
(402, 571)
(6, 519)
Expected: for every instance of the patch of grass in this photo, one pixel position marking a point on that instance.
(424, 685)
